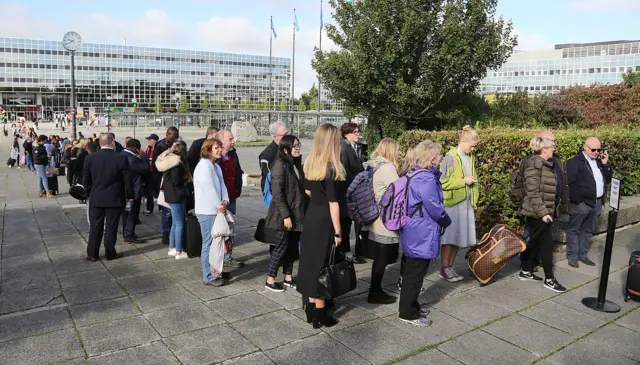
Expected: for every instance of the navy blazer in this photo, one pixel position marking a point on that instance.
(138, 167)
(582, 186)
(107, 179)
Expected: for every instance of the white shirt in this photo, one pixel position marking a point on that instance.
(597, 175)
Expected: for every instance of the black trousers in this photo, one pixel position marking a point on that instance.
(540, 239)
(150, 192)
(97, 216)
(385, 254)
(345, 246)
(413, 274)
(129, 221)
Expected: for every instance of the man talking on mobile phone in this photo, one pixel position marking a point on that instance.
(588, 173)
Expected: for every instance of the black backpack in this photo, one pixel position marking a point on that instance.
(516, 184)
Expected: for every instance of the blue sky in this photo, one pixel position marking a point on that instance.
(243, 25)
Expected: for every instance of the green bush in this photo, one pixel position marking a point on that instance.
(501, 150)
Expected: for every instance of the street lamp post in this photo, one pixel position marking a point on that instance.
(135, 118)
(72, 42)
(108, 110)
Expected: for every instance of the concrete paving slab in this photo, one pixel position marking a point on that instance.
(103, 311)
(12, 301)
(28, 324)
(130, 271)
(164, 299)
(346, 314)
(371, 340)
(319, 349)
(257, 358)
(471, 309)
(42, 349)
(430, 357)
(27, 280)
(210, 345)
(174, 321)
(621, 340)
(585, 353)
(274, 329)
(512, 293)
(93, 276)
(563, 318)
(540, 339)
(631, 321)
(242, 306)
(92, 292)
(156, 353)
(147, 283)
(117, 335)
(574, 298)
(443, 327)
(481, 348)
(208, 292)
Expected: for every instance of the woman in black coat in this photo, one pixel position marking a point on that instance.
(286, 212)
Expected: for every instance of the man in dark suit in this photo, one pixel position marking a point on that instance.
(193, 155)
(139, 168)
(351, 159)
(588, 173)
(107, 180)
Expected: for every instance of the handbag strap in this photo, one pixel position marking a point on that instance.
(332, 256)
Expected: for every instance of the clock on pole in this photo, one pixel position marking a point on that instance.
(72, 42)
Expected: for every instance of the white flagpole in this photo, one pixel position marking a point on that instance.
(293, 67)
(270, 66)
(321, 26)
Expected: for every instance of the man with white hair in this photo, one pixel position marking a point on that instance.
(266, 157)
(588, 173)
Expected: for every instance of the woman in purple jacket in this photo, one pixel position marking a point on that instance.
(420, 238)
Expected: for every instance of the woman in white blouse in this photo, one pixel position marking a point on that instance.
(211, 198)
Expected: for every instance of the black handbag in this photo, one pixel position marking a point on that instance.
(337, 278)
(264, 234)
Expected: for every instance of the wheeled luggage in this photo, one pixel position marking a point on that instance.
(493, 252)
(633, 277)
(192, 243)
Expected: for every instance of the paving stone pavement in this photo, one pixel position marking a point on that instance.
(147, 308)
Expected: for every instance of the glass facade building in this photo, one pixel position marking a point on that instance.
(548, 72)
(35, 76)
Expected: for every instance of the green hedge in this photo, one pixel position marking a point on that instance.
(501, 150)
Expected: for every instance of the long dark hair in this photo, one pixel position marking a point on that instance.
(180, 150)
(285, 147)
(15, 143)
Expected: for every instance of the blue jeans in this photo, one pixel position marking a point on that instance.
(43, 184)
(177, 225)
(29, 162)
(227, 255)
(166, 220)
(206, 222)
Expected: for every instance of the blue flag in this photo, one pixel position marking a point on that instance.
(295, 22)
(275, 35)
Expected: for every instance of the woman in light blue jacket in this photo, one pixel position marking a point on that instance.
(211, 198)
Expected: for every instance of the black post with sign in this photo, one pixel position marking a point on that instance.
(600, 303)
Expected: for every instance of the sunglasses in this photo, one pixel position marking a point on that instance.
(594, 149)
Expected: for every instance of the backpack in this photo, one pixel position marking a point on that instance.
(267, 188)
(361, 203)
(516, 186)
(394, 203)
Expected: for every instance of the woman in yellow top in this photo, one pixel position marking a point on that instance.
(460, 199)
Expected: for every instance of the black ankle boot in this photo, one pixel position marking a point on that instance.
(321, 318)
(308, 310)
(380, 297)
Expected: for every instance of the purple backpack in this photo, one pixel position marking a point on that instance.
(394, 204)
(361, 204)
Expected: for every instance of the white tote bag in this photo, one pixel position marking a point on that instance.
(161, 200)
(221, 229)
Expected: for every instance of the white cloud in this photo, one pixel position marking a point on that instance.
(605, 5)
(18, 21)
(533, 42)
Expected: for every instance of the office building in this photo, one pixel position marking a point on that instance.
(35, 77)
(548, 72)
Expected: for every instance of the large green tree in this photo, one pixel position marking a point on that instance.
(205, 105)
(184, 104)
(403, 61)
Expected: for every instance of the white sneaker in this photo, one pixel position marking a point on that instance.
(454, 275)
(182, 255)
(172, 252)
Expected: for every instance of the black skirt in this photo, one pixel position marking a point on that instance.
(388, 253)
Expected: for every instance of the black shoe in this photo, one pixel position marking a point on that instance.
(574, 264)
(588, 262)
(554, 285)
(290, 283)
(321, 318)
(359, 260)
(380, 297)
(117, 256)
(276, 287)
(92, 259)
(308, 310)
(165, 240)
(147, 213)
(138, 222)
(528, 276)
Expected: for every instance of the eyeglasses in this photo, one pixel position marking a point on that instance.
(297, 146)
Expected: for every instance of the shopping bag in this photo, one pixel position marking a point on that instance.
(221, 226)
(216, 255)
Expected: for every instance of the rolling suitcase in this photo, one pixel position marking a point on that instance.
(192, 242)
(53, 184)
(493, 252)
(633, 277)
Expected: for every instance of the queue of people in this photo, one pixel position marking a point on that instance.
(308, 204)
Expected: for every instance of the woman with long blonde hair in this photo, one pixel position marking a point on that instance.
(324, 181)
(382, 244)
